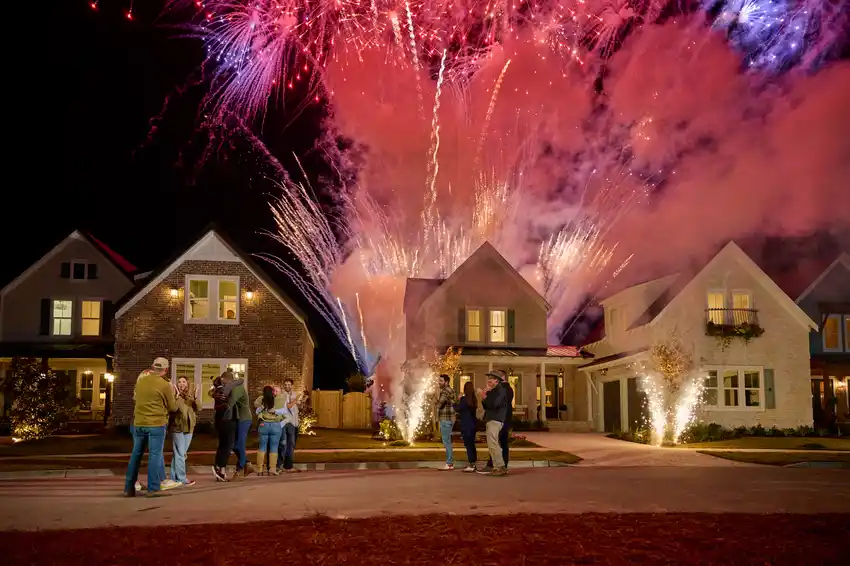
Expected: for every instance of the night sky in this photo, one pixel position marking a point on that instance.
(86, 161)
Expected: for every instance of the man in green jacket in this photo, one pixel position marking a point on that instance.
(154, 399)
(238, 400)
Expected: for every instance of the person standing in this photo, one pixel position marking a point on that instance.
(505, 433)
(182, 427)
(446, 418)
(238, 399)
(154, 400)
(465, 409)
(289, 435)
(225, 423)
(269, 430)
(494, 400)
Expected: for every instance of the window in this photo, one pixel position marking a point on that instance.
(90, 314)
(62, 311)
(730, 387)
(709, 396)
(716, 307)
(613, 319)
(498, 323)
(834, 327)
(742, 388)
(751, 388)
(515, 381)
(87, 389)
(102, 390)
(92, 271)
(212, 299)
(741, 300)
(200, 373)
(227, 299)
(847, 332)
(78, 270)
(473, 325)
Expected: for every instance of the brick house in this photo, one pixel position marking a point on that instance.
(763, 381)
(208, 309)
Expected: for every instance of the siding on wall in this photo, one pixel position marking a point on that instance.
(274, 342)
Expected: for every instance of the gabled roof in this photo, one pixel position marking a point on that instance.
(211, 232)
(843, 260)
(416, 290)
(731, 250)
(486, 251)
(123, 266)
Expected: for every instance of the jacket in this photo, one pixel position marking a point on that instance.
(185, 419)
(495, 405)
(238, 400)
(154, 400)
(509, 393)
(222, 394)
(275, 415)
(465, 415)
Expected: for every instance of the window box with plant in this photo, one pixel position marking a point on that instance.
(726, 324)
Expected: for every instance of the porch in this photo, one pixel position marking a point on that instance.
(547, 387)
(830, 399)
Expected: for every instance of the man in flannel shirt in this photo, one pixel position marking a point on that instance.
(446, 417)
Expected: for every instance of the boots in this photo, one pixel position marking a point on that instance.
(273, 464)
(249, 469)
(261, 460)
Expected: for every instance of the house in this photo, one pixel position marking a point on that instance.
(208, 309)
(748, 338)
(500, 321)
(827, 301)
(60, 309)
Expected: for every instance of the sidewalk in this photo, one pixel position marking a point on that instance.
(311, 467)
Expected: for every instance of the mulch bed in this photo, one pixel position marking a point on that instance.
(440, 539)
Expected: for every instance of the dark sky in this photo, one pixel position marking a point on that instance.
(84, 159)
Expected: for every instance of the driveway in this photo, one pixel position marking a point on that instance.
(596, 449)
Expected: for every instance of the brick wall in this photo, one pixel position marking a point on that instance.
(268, 335)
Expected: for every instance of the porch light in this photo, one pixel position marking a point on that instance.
(840, 384)
(249, 295)
(109, 377)
(173, 292)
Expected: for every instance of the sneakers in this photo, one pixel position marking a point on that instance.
(159, 493)
(219, 474)
(447, 467)
(486, 470)
(499, 472)
(169, 484)
(293, 471)
(187, 483)
(469, 469)
(130, 493)
(139, 487)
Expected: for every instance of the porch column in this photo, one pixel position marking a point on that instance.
(589, 397)
(543, 392)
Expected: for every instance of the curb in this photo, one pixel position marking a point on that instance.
(311, 467)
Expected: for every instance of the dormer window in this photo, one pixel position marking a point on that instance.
(498, 326)
(473, 325)
(78, 270)
(212, 299)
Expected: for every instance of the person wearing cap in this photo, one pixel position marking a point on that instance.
(504, 435)
(496, 408)
(154, 399)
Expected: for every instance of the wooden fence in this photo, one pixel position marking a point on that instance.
(335, 410)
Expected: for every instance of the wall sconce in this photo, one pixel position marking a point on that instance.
(174, 292)
(109, 377)
(249, 295)
(840, 384)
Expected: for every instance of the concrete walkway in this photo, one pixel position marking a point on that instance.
(596, 449)
(81, 503)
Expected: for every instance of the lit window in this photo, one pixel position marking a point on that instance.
(227, 299)
(208, 374)
(710, 389)
(102, 393)
(498, 322)
(90, 314)
(463, 381)
(832, 333)
(62, 317)
(515, 381)
(751, 388)
(741, 301)
(847, 332)
(187, 371)
(86, 389)
(716, 307)
(742, 305)
(199, 299)
(473, 325)
(730, 388)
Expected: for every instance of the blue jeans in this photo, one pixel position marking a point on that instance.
(287, 444)
(180, 442)
(154, 438)
(269, 436)
(240, 443)
(446, 434)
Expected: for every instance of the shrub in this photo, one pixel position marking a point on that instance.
(758, 430)
(399, 443)
(389, 430)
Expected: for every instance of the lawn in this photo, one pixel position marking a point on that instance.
(778, 458)
(776, 443)
(542, 540)
(114, 443)
(118, 462)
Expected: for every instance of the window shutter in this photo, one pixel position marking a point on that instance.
(511, 333)
(106, 318)
(769, 393)
(92, 271)
(461, 326)
(65, 270)
(44, 329)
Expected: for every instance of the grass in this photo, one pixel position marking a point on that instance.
(114, 443)
(542, 540)
(118, 463)
(778, 458)
(776, 443)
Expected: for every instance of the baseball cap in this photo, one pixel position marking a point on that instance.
(497, 374)
(160, 364)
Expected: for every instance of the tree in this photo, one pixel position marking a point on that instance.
(356, 383)
(40, 396)
(306, 417)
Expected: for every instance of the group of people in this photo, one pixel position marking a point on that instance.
(497, 402)
(160, 406)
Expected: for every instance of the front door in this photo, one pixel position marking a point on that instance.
(552, 393)
(637, 405)
(611, 406)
